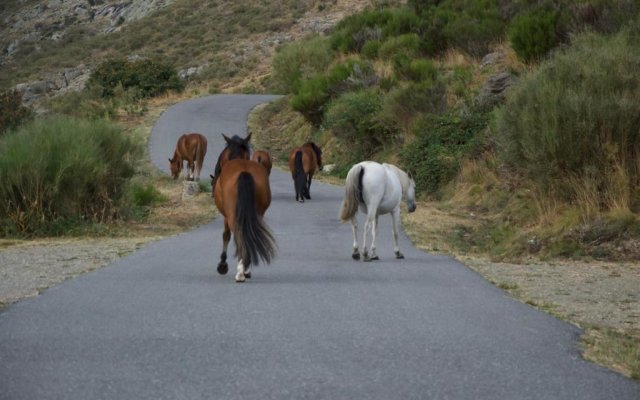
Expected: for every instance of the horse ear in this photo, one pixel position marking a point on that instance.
(170, 160)
(410, 174)
(226, 138)
(248, 138)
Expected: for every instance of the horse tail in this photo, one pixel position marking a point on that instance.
(254, 240)
(352, 193)
(299, 178)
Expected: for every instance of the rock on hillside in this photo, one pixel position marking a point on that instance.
(42, 21)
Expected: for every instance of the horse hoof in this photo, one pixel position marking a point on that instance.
(355, 256)
(240, 279)
(223, 268)
(366, 259)
(247, 275)
(399, 256)
(375, 258)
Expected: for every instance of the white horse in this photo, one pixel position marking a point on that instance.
(376, 189)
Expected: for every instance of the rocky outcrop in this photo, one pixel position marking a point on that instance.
(494, 89)
(69, 79)
(50, 20)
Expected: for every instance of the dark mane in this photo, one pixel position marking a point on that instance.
(316, 149)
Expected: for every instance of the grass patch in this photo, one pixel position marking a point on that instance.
(619, 350)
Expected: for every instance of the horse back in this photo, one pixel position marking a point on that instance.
(192, 146)
(263, 158)
(380, 185)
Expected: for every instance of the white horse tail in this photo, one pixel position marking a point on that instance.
(352, 193)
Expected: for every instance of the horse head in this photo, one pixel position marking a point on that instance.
(409, 193)
(175, 165)
(237, 147)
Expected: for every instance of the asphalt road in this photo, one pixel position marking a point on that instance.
(162, 324)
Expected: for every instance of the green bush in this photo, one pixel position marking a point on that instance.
(150, 78)
(353, 117)
(311, 98)
(405, 45)
(371, 49)
(314, 93)
(442, 142)
(298, 61)
(405, 102)
(534, 34)
(353, 32)
(416, 70)
(63, 169)
(146, 195)
(577, 117)
(12, 112)
(470, 25)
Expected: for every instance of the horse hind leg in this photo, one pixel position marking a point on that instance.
(240, 275)
(307, 193)
(223, 267)
(374, 235)
(354, 228)
(395, 214)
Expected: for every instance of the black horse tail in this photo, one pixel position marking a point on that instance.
(254, 240)
(299, 177)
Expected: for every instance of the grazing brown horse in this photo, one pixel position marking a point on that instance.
(303, 162)
(264, 158)
(242, 194)
(191, 147)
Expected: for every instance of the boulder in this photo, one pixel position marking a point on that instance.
(190, 189)
(493, 91)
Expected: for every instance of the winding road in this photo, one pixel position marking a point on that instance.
(162, 324)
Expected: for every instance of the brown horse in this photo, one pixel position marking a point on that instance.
(303, 162)
(242, 194)
(191, 147)
(264, 158)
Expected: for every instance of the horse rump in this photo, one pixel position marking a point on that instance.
(253, 238)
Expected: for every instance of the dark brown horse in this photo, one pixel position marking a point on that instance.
(264, 158)
(303, 162)
(242, 194)
(191, 147)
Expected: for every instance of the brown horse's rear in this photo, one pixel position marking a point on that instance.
(303, 162)
(242, 194)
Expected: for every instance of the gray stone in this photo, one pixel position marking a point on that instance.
(189, 189)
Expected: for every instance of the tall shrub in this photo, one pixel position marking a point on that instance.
(149, 77)
(577, 117)
(353, 117)
(442, 142)
(535, 33)
(12, 112)
(298, 61)
(62, 169)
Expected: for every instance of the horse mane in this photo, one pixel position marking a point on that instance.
(316, 149)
